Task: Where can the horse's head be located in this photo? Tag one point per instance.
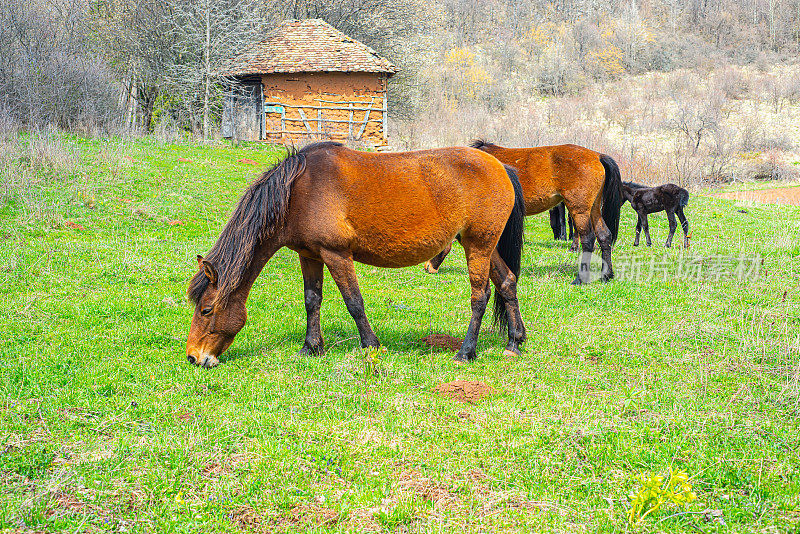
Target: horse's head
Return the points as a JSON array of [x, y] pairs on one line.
[[627, 194], [214, 324]]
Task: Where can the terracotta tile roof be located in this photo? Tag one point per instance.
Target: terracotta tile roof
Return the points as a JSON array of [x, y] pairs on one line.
[[310, 45]]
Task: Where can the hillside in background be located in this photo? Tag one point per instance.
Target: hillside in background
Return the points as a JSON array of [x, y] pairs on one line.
[[697, 92]]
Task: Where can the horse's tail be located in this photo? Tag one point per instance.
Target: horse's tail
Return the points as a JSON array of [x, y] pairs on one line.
[[258, 214], [612, 195], [510, 245], [683, 198]]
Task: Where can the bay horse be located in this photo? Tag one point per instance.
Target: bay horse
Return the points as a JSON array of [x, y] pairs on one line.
[[587, 182], [333, 206], [644, 200]]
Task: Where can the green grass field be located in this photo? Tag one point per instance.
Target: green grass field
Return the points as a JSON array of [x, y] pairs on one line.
[[104, 426]]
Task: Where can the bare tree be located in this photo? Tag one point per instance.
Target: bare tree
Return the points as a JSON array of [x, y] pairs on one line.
[[210, 33], [49, 69]]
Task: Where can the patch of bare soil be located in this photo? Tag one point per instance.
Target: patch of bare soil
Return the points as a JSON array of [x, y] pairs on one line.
[[307, 515], [312, 515], [464, 390], [442, 341], [67, 503], [247, 519], [246, 161], [426, 489], [778, 195]]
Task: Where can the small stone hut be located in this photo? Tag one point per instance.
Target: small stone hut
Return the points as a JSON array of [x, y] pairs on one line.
[[307, 80]]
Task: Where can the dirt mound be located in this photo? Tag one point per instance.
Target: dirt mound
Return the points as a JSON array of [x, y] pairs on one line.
[[246, 161], [442, 341], [464, 390], [779, 195]]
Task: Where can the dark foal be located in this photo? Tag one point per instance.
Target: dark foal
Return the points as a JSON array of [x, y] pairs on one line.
[[645, 200]]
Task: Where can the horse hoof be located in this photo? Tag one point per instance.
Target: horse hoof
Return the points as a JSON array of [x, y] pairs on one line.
[[461, 357], [309, 350], [577, 281], [508, 353], [430, 269]]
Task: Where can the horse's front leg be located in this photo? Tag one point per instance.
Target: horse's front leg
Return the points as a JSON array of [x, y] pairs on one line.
[[340, 265], [312, 287]]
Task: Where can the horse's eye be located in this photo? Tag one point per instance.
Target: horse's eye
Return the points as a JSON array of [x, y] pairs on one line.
[[206, 311]]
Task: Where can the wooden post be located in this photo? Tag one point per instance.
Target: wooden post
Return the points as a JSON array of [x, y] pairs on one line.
[[305, 122], [384, 121], [350, 121], [366, 118]]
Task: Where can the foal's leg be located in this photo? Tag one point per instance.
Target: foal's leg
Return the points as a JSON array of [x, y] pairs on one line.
[[638, 229], [505, 284], [672, 227], [478, 267], [341, 268], [583, 225], [433, 264], [684, 226], [646, 228], [312, 284]]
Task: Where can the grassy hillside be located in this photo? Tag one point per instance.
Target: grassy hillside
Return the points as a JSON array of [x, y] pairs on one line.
[[104, 426]]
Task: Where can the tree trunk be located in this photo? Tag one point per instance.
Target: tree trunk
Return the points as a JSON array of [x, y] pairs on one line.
[[207, 59]]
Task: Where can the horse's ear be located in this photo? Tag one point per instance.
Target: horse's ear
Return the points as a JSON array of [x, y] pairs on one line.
[[199, 260], [211, 272]]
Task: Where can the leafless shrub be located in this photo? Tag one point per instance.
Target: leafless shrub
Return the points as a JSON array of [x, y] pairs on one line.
[[49, 71], [732, 83], [770, 167], [9, 127]]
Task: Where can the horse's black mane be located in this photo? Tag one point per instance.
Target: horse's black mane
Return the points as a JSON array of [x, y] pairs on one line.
[[259, 212], [635, 185], [480, 143]]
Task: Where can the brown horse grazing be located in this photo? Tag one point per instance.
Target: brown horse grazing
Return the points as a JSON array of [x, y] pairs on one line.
[[333, 206], [586, 181]]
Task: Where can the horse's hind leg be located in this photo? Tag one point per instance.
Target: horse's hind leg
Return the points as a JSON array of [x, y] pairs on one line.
[[646, 227], [638, 229], [505, 284], [433, 264], [312, 285], [573, 234], [583, 225], [673, 225], [478, 267], [344, 274], [684, 226], [603, 235]]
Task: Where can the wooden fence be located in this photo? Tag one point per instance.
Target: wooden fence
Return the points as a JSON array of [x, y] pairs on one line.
[[311, 120]]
